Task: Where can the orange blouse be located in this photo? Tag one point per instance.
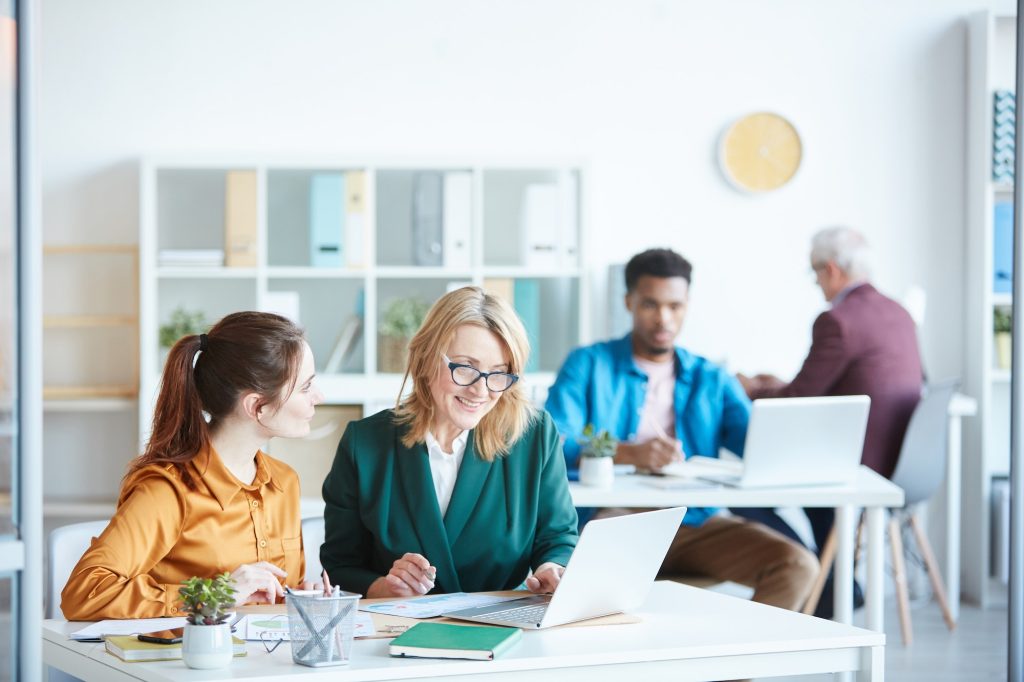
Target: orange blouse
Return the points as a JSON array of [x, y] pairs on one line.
[[164, 533]]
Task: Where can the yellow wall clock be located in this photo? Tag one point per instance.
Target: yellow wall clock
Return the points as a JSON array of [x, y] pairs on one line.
[[760, 152]]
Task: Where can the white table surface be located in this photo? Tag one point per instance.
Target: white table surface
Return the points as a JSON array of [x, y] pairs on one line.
[[686, 634], [873, 492]]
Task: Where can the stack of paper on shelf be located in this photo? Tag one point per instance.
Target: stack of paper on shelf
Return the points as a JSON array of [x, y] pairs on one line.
[[189, 258]]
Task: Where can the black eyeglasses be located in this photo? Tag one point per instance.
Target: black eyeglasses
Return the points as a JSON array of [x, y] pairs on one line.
[[270, 642], [467, 375]]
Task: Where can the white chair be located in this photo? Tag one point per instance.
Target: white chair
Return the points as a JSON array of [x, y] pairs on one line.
[[312, 538], [66, 546]]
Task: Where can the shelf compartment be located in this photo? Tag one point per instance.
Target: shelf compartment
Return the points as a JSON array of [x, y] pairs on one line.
[[335, 331]]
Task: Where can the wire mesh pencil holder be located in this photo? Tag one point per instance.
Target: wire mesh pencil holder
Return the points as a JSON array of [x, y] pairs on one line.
[[321, 629]]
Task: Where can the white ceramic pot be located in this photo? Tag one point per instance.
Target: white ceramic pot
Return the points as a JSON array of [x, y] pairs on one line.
[[207, 647], [597, 472]]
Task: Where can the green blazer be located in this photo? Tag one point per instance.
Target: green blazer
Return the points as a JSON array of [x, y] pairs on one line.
[[505, 517]]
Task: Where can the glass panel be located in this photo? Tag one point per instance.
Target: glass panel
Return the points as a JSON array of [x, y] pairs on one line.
[[8, 275], [531, 219], [316, 218], [424, 218], [335, 331]]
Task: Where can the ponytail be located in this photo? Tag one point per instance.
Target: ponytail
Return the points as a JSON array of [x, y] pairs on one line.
[[244, 352]]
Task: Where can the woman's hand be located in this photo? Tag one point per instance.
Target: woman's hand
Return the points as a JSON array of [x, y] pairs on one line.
[[410, 576], [258, 583], [545, 579]]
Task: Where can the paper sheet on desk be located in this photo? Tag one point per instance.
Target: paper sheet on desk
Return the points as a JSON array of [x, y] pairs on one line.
[[701, 466], [433, 606], [96, 631], [274, 626]]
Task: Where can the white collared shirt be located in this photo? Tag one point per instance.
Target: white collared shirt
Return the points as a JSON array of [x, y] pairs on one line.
[[444, 467]]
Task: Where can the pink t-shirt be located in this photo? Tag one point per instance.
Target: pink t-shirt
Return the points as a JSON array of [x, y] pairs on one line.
[[658, 418]]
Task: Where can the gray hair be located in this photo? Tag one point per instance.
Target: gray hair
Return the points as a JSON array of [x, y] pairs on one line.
[[846, 247]]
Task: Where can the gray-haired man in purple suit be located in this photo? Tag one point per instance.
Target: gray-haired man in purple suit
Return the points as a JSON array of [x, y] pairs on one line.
[[866, 343]]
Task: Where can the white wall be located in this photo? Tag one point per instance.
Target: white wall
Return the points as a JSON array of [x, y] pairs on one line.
[[641, 88]]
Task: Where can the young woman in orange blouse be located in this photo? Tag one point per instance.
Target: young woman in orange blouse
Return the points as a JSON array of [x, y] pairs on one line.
[[203, 498]]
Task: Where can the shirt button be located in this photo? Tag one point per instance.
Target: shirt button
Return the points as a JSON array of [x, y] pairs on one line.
[[263, 543], [255, 504]]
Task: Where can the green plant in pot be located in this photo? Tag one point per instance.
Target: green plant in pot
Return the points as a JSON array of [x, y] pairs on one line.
[[597, 456], [207, 642], [399, 323], [182, 323], [1002, 325]]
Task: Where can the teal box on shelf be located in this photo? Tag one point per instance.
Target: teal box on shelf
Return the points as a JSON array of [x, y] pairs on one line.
[[1002, 243]]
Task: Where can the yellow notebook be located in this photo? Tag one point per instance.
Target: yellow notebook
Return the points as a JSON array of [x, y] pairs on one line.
[[130, 648]]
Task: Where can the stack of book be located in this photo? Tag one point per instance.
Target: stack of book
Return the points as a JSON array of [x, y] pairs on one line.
[[130, 648], [440, 640], [190, 258]]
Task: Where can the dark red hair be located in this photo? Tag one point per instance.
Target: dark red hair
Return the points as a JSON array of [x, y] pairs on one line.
[[247, 352]]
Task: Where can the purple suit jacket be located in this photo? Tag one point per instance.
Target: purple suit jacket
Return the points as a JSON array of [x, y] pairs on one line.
[[866, 344]]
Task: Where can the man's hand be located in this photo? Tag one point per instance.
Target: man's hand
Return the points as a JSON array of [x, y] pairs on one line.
[[410, 576], [760, 382], [651, 455], [545, 579]]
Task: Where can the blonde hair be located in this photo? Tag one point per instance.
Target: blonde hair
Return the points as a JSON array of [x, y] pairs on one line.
[[510, 417]]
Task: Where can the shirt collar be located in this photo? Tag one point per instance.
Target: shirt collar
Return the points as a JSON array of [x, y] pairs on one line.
[[838, 298], [458, 445], [622, 349], [221, 482]]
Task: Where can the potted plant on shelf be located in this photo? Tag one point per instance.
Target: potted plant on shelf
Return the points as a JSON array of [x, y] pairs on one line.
[[400, 321], [597, 452], [207, 642], [1001, 325]]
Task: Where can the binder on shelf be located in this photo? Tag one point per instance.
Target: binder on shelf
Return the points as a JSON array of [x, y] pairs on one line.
[[501, 286], [326, 219], [458, 219], [354, 240], [427, 217], [283, 303], [526, 299], [1002, 242], [240, 221], [549, 223]]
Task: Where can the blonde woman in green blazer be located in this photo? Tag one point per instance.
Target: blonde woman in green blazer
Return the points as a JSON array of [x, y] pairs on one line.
[[462, 487]]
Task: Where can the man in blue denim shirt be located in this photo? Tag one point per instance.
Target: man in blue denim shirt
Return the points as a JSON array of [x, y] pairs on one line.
[[664, 404]]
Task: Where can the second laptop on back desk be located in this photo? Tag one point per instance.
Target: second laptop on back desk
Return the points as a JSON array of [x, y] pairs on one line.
[[791, 442]]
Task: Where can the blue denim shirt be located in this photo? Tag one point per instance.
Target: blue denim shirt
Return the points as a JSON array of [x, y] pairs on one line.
[[601, 385]]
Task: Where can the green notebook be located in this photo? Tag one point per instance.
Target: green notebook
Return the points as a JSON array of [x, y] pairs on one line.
[[129, 648], [439, 640]]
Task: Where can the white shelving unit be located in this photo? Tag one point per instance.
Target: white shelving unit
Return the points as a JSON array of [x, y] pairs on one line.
[[991, 59], [498, 205]]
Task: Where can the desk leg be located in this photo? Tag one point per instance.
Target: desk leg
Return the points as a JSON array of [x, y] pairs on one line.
[[875, 588], [953, 463], [872, 664], [842, 585]]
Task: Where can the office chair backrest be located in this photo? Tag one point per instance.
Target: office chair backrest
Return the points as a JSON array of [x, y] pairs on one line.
[[921, 466], [67, 545], [312, 538]]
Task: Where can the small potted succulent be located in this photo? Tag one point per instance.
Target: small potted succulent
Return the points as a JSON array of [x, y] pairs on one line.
[[399, 323], [1002, 326], [597, 453], [207, 642]]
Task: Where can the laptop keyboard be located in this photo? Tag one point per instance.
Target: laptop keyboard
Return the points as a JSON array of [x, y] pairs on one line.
[[530, 615]]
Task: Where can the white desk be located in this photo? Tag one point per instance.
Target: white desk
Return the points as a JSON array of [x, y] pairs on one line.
[[871, 491], [686, 634]]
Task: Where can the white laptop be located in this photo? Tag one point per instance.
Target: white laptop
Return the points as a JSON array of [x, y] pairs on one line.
[[610, 571], [801, 441]]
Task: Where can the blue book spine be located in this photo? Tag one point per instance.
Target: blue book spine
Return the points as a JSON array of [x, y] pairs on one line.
[[326, 219], [526, 300], [1002, 242]]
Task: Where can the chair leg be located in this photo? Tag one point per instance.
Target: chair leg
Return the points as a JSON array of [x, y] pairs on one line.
[[900, 575], [933, 572], [828, 557]]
